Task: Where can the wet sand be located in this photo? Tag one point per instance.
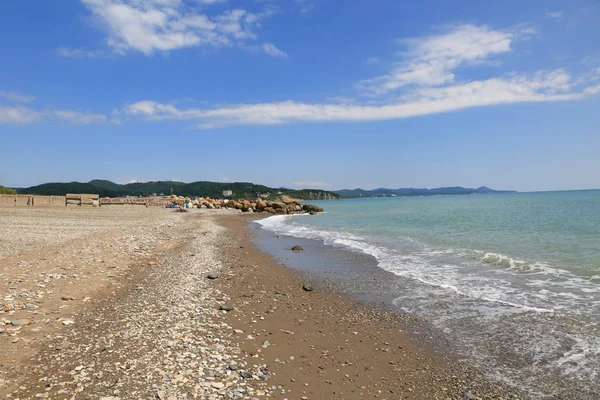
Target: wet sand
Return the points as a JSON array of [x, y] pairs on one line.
[[325, 345]]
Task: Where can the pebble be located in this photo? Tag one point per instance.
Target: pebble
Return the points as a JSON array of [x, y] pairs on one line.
[[20, 322], [225, 307], [308, 288], [212, 276]]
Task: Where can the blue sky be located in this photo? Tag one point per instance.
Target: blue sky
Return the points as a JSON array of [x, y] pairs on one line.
[[302, 93]]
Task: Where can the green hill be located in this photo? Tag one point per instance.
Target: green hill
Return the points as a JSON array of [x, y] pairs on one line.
[[201, 189]]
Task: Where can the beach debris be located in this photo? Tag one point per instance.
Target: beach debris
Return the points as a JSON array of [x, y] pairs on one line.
[[67, 298], [308, 288], [212, 276], [297, 248], [226, 307]]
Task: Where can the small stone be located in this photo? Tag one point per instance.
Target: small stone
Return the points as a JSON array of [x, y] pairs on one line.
[[20, 322], [297, 248], [469, 396], [67, 298], [218, 385], [226, 307], [232, 367], [307, 288], [212, 276], [15, 340], [67, 322]]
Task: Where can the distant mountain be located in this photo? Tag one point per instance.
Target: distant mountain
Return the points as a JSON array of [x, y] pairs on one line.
[[107, 188], [383, 192]]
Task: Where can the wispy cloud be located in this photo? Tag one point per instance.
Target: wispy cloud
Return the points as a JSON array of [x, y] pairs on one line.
[[164, 25], [432, 60], [305, 5], [70, 52], [311, 184], [555, 14], [13, 96], [423, 82], [542, 86], [18, 114], [272, 50], [79, 118], [25, 115]]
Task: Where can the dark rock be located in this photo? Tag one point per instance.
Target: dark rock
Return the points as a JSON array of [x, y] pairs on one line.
[[297, 248], [225, 307], [232, 367], [312, 208], [307, 288], [245, 374]]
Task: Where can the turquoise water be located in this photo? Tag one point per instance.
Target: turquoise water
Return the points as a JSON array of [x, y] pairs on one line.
[[523, 269]]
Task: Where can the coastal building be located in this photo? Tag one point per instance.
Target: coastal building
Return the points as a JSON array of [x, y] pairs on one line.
[[227, 193]]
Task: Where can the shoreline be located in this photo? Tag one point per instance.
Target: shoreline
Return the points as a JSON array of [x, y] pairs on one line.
[[118, 306], [379, 351]]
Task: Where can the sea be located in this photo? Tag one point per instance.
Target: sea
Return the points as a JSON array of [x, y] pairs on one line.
[[510, 280]]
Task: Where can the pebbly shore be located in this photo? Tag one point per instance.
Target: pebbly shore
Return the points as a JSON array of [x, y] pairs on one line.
[[136, 303]]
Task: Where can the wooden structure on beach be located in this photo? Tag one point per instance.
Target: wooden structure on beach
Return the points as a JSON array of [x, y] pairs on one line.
[[82, 200], [73, 199]]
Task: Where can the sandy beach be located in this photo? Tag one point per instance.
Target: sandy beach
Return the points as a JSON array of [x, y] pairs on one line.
[[116, 303]]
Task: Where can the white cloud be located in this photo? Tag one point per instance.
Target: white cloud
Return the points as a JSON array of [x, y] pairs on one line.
[[555, 14], [79, 118], [542, 86], [305, 5], [272, 50], [27, 115], [17, 115], [432, 60], [69, 52], [148, 26], [12, 96]]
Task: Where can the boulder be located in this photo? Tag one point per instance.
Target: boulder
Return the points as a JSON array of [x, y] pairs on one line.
[[260, 205], [312, 208], [277, 204], [269, 210]]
